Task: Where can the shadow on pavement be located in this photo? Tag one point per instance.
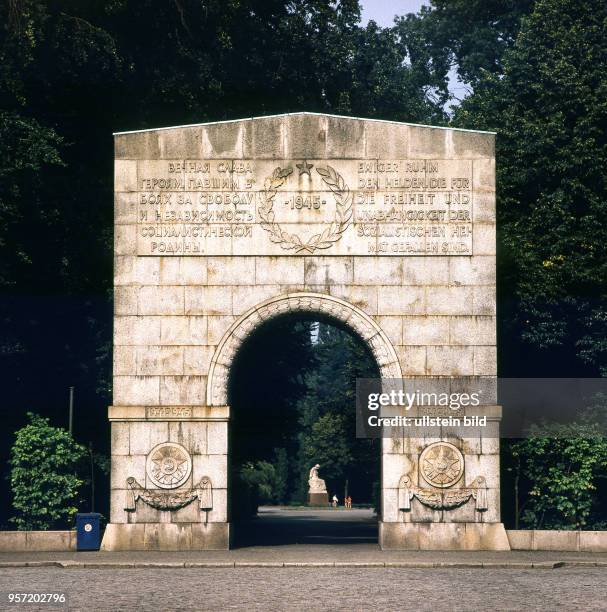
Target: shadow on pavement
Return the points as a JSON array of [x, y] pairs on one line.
[[274, 526]]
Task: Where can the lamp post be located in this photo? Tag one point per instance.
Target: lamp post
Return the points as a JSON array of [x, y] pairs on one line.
[[71, 414]]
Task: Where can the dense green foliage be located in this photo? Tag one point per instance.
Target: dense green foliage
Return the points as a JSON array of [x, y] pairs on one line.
[[562, 467], [547, 101], [558, 474], [261, 482], [471, 36], [550, 110], [43, 477]]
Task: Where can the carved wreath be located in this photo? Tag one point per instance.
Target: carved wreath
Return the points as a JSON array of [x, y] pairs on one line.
[[333, 232], [442, 500], [169, 500]]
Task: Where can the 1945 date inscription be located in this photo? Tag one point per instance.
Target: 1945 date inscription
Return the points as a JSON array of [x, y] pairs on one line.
[[302, 207]]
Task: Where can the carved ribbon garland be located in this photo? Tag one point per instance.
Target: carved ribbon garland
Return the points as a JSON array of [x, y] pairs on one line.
[[169, 500], [442, 500], [287, 241]]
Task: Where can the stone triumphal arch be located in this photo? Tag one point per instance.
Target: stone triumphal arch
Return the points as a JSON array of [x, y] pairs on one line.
[[387, 228]]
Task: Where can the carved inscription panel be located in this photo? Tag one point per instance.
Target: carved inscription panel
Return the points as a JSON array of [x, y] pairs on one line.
[[304, 206]]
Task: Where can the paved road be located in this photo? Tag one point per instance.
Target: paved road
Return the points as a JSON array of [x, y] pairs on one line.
[[332, 589], [279, 526]]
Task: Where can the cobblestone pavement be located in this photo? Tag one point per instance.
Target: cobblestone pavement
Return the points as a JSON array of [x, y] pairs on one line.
[[313, 589]]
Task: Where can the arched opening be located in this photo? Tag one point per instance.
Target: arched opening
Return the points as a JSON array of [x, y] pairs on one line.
[[324, 305], [291, 391]]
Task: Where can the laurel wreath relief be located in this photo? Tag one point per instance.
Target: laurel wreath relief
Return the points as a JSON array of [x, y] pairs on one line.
[[331, 234]]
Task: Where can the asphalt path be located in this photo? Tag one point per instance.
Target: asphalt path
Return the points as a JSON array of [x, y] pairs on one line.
[[275, 526]]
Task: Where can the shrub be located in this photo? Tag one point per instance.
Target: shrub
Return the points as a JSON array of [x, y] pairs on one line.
[[44, 481], [562, 465]]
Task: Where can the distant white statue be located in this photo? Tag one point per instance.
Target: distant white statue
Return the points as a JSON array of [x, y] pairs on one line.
[[317, 485]]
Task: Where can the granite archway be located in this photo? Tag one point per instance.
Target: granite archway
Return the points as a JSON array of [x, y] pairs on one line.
[[221, 227]]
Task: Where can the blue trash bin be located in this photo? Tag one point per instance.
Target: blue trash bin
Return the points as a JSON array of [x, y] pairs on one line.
[[88, 531]]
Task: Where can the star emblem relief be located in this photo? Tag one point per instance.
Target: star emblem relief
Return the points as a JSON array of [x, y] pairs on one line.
[[441, 464], [305, 167]]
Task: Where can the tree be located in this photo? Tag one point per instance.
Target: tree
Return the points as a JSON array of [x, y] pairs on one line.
[[327, 414], [260, 477], [28, 151], [550, 111], [56, 71], [470, 36], [43, 478], [386, 63], [327, 443]]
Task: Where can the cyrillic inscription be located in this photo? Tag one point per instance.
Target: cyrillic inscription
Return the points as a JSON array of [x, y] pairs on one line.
[[302, 207]]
